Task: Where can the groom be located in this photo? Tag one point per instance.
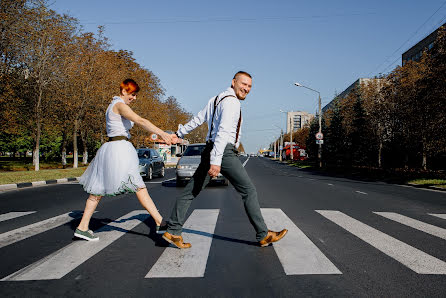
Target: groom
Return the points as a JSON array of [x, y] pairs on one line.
[[224, 117]]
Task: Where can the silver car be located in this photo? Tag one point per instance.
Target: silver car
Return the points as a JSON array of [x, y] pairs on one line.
[[150, 163], [189, 162]]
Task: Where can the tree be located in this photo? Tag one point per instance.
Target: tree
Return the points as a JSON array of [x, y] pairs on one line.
[[198, 135], [432, 91], [43, 36], [335, 146], [379, 114]]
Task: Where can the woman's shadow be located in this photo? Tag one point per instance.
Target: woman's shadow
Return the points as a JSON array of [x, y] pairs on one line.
[[100, 225]]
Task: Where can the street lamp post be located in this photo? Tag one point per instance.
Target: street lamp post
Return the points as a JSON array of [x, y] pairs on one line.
[[319, 153], [279, 150], [291, 140], [281, 145]]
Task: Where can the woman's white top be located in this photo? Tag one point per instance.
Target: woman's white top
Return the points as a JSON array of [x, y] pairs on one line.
[[116, 124]]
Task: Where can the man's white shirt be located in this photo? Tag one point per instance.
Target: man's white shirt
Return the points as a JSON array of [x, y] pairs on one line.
[[225, 121]]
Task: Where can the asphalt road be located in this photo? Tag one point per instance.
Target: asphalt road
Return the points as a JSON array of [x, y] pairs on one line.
[[346, 238]]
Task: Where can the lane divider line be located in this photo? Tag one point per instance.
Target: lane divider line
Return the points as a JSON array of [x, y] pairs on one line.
[[246, 161]]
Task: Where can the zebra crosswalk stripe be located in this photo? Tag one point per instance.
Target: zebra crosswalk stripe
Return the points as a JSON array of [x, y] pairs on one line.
[[416, 224], [63, 261], [19, 234], [443, 216], [11, 215], [297, 254], [407, 255], [191, 262]]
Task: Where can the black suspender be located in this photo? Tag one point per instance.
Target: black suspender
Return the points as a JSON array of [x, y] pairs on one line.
[[238, 127], [212, 121]]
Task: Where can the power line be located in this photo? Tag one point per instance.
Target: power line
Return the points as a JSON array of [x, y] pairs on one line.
[[224, 19], [441, 6]]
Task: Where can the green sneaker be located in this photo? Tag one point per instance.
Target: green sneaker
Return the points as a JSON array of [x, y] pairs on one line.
[[161, 229], [87, 235]]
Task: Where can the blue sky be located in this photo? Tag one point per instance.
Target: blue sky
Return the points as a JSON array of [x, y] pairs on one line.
[[194, 47]]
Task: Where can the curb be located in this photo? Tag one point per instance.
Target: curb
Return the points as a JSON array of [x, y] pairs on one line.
[[419, 186], [54, 181], [36, 183], [426, 186]]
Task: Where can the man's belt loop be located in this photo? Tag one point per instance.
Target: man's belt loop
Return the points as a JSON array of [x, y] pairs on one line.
[[117, 138]]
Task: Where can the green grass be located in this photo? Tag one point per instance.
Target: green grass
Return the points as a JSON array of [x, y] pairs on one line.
[[300, 164], [26, 164], [12, 177], [429, 182]]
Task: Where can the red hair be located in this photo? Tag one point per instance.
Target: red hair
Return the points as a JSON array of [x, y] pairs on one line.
[[129, 85]]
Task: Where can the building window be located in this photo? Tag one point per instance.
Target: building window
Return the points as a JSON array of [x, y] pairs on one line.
[[297, 122]]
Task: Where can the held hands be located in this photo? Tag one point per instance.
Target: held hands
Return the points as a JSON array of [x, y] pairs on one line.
[[214, 171], [171, 138], [176, 139], [167, 138]]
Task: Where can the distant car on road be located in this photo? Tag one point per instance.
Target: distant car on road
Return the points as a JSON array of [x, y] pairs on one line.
[[189, 162], [150, 163]]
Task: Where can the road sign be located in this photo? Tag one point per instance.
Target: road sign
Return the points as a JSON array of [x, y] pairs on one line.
[[319, 142], [319, 136]]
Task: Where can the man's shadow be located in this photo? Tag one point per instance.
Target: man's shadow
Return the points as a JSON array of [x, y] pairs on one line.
[[100, 225]]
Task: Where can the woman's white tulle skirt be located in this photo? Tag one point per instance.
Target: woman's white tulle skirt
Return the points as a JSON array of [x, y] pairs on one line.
[[113, 171]]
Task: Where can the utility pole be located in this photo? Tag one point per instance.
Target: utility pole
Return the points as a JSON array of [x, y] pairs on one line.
[[319, 141], [319, 151], [291, 140], [281, 145], [275, 143]]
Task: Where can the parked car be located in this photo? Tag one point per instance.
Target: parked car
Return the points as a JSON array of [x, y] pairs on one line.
[[150, 163], [188, 163]]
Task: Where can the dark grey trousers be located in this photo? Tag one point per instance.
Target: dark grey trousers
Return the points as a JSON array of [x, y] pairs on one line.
[[233, 170]]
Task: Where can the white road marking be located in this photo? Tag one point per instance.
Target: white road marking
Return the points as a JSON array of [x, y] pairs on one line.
[[191, 262], [297, 254], [330, 184], [427, 189], [363, 193], [11, 215], [443, 216], [413, 258], [416, 224], [155, 182], [244, 164], [36, 228], [63, 261]]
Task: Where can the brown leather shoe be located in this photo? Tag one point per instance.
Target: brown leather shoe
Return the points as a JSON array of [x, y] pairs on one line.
[[176, 240], [272, 237]]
